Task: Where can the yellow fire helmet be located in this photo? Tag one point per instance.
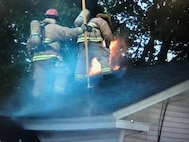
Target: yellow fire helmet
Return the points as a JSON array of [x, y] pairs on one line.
[[105, 17]]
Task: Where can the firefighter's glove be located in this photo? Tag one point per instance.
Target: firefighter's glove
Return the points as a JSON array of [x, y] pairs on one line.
[[107, 43], [86, 28]]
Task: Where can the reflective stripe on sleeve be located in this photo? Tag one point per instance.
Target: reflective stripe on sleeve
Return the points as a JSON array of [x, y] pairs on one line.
[[45, 57], [93, 39]]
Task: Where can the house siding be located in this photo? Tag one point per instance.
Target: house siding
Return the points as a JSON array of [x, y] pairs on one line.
[[175, 125]]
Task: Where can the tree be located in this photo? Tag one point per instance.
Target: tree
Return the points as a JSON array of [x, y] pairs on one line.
[[160, 23], [169, 25]]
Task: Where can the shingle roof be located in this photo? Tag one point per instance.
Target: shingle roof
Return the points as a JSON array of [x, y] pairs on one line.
[[135, 85], [109, 95]]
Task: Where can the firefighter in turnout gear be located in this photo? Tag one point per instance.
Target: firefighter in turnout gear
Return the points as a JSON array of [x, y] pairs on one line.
[[96, 49], [50, 73]]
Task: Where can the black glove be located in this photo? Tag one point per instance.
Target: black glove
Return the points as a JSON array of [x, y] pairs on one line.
[[107, 44], [86, 27]]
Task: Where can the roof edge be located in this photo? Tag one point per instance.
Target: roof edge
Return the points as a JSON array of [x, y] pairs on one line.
[[163, 95]]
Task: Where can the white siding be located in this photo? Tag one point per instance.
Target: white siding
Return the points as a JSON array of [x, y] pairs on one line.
[[175, 125]]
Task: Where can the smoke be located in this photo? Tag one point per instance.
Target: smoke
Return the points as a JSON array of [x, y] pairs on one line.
[[24, 104], [76, 100], [53, 106]]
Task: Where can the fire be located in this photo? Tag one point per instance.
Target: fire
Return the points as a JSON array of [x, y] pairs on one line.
[[117, 47], [95, 67]]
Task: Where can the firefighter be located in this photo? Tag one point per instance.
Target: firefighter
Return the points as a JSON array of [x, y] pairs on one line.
[[50, 73], [96, 49]]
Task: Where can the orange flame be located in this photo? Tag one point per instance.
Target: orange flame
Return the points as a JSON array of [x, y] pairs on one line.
[[117, 47]]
